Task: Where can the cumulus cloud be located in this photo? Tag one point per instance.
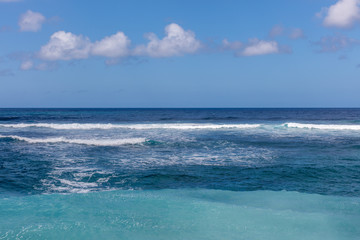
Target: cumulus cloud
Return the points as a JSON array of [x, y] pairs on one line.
[[68, 46], [255, 47], [260, 47], [343, 14], [31, 21], [65, 46], [335, 43], [176, 42], [114, 46]]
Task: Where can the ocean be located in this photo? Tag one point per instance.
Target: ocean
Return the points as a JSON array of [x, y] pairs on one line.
[[180, 174]]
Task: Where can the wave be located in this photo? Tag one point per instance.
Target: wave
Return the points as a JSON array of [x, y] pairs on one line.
[[322, 126], [95, 142], [88, 126], [176, 126]]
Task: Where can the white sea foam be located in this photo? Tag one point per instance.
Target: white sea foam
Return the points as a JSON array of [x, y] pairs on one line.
[[322, 126], [95, 142], [88, 126], [76, 184], [175, 126]]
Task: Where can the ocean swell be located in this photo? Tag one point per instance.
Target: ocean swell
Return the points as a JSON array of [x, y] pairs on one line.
[[88, 126]]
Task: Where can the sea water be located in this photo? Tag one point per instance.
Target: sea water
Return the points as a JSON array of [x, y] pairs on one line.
[[180, 173]]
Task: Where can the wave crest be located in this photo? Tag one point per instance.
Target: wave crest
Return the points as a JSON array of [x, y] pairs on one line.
[[322, 126], [94, 142]]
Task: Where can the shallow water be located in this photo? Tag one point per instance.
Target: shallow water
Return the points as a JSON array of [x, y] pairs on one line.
[[306, 160], [181, 214]]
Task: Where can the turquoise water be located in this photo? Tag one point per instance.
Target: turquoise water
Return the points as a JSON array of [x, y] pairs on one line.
[[180, 174], [180, 214]]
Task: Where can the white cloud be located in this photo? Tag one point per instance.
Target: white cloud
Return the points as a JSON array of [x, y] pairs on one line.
[[68, 46], [114, 46], [260, 47], [342, 14], [255, 47], [65, 46], [231, 45], [176, 42], [117, 47], [31, 21]]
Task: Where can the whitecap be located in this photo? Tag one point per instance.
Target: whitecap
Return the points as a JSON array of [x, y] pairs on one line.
[[322, 126], [95, 142]]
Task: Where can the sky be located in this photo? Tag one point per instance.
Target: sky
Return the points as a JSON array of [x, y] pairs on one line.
[[126, 54]]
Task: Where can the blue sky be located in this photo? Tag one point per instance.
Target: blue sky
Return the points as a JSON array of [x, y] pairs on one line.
[[62, 53]]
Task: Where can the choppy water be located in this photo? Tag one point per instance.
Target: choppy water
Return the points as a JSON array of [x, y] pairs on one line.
[[180, 173]]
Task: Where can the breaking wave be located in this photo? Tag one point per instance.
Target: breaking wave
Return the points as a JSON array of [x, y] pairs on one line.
[[178, 126], [95, 142], [322, 126]]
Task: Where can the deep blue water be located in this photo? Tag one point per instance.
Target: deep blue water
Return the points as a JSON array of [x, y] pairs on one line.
[[193, 169]]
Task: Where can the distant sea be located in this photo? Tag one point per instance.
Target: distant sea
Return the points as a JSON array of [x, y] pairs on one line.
[[180, 174]]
